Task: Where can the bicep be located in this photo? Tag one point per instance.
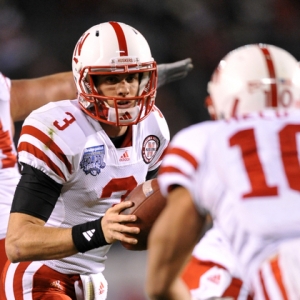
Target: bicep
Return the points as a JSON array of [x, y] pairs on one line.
[[36, 194]]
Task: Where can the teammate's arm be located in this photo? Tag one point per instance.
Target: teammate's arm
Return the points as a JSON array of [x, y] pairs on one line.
[[171, 241], [29, 94], [173, 71]]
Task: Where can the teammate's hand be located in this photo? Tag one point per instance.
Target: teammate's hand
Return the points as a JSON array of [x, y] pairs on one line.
[[173, 71], [112, 226]]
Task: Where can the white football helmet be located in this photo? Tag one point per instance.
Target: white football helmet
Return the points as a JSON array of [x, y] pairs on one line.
[[252, 78], [114, 48]]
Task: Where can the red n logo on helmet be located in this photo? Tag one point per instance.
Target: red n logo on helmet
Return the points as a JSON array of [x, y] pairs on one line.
[[79, 45]]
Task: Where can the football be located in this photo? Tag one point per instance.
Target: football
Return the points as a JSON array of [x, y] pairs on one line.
[[148, 203]]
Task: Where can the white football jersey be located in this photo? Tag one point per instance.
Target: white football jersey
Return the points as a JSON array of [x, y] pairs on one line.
[[245, 172], [9, 173], [73, 149], [214, 247]]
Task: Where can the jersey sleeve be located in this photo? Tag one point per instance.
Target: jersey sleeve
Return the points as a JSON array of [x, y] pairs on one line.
[[8, 155], [47, 141], [5, 85], [183, 158], [159, 137]]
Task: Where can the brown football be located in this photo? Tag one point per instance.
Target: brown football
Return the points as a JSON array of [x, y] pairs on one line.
[[148, 203]]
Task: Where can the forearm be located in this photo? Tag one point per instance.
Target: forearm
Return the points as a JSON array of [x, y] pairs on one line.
[[34, 241], [170, 72], [29, 239], [171, 241], [164, 263], [179, 290]]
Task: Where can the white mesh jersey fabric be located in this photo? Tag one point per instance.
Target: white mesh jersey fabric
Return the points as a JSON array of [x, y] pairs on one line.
[[215, 247], [224, 158], [74, 150]]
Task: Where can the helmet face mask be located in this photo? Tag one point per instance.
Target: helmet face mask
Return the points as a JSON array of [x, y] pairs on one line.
[[253, 78], [111, 49]]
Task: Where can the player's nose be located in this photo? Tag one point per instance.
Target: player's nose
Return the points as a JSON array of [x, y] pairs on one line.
[[123, 88]]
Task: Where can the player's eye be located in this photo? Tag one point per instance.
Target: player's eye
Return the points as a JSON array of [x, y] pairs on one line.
[[132, 77], [111, 79]]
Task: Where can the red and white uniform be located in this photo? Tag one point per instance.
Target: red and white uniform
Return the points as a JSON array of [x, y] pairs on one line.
[[9, 173], [246, 172], [74, 150], [213, 269]]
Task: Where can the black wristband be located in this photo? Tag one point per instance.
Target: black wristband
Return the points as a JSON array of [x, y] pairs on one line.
[[88, 236]]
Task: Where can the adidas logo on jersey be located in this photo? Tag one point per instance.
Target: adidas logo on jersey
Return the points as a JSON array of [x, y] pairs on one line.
[[215, 278], [56, 284], [101, 288], [88, 234], [124, 157]]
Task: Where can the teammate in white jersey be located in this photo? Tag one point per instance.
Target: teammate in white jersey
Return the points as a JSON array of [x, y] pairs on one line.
[[80, 158], [243, 170], [17, 99], [212, 270]]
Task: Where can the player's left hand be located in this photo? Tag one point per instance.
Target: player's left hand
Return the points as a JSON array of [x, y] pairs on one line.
[[113, 224], [173, 71]]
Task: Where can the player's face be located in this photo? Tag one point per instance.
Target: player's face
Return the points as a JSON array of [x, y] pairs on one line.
[[119, 85]]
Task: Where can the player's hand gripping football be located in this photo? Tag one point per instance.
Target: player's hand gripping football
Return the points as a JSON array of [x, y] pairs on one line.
[[173, 71], [112, 226]]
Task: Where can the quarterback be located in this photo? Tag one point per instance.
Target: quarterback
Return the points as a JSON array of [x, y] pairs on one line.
[[18, 98], [79, 159]]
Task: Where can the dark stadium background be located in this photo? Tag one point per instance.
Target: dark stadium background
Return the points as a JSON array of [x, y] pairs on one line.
[[38, 38]]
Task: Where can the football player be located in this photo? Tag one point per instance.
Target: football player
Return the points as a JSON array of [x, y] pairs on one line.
[[243, 169], [18, 98], [79, 159]]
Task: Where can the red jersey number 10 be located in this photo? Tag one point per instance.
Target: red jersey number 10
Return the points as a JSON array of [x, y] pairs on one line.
[[245, 139]]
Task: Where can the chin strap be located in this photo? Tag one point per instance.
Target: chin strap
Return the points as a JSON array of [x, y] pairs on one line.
[[126, 116]]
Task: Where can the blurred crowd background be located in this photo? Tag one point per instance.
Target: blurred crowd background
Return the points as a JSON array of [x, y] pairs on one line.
[[38, 37]]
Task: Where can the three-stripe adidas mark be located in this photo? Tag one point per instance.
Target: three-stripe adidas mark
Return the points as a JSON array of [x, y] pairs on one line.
[[89, 234], [125, 156]]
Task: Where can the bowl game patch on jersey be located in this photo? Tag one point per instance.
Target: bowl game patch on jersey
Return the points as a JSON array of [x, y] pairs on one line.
[[93, 160]]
